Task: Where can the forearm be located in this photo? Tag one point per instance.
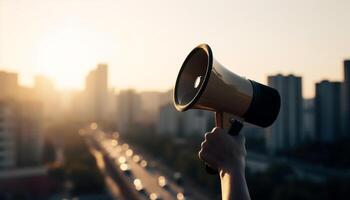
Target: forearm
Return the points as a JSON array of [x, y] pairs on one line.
[[234, 185]]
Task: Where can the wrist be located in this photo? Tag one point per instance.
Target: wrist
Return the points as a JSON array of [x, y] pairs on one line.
[[233, 184], [236, 170]]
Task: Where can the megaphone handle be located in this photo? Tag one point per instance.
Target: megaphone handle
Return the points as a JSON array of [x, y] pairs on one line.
[[235, 128], [223, 120]]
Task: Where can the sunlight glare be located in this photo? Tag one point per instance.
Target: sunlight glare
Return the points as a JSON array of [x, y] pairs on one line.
[[67, 54]]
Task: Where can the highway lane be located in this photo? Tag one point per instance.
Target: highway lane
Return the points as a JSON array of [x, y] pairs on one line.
[[112, 187], [116, 183], [147, 175], [113, 150]]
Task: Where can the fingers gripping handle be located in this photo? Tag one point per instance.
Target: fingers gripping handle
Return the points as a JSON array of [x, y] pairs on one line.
[[234, 129]]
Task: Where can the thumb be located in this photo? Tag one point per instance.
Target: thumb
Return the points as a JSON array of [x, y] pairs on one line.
[[217, 130]]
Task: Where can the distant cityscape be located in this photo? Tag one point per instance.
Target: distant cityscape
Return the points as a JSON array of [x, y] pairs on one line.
[[25, 114], [324, 118]]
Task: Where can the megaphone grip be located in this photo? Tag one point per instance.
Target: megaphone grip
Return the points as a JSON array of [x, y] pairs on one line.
[[234, 129]]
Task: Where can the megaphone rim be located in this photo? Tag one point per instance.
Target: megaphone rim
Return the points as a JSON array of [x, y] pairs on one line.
[[209, 53]]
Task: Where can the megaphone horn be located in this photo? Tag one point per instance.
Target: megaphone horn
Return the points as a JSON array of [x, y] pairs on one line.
[[203, 83]]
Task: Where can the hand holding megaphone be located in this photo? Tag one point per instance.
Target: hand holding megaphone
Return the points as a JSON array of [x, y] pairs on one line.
[[203, 83], [223, 152], [235, 127]]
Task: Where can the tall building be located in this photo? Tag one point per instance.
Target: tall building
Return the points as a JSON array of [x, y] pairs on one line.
[[346, 100], [21, 139], [286, 132], [328, 111], [128, 109], [9, 90], [96, 91]]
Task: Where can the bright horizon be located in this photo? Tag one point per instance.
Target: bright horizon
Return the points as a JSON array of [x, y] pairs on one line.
[[144, 43]]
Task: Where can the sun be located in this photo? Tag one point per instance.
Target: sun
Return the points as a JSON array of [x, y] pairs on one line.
[[67, 53]]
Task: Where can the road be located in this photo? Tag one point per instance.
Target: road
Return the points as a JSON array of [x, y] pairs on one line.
[[117, 156], [112, 187]]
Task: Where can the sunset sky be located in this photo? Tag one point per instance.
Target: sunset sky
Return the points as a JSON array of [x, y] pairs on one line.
[[145, 42]]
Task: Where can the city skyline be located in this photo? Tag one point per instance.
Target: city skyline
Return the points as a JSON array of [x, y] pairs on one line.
[[83, 87], [65, 40]]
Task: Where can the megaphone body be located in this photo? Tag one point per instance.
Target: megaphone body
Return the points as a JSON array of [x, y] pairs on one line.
[[203, 83]]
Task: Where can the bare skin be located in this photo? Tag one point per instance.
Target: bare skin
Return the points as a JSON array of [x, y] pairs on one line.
[[227, 154]]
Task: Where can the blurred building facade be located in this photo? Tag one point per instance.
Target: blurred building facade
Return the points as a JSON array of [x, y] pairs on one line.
[[286, 132], [328, 113], [151, 102], [7, 135], [128, 109], [96, 93], [9, 85], [21, 134], [8, 117], [169, 120], [308, 131], [178, 123], [46, 92], [30, 139]]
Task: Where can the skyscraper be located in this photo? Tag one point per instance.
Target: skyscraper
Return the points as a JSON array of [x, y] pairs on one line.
[[346, 100], [8, 92], [285, 133], [327, 109], [96, 89]]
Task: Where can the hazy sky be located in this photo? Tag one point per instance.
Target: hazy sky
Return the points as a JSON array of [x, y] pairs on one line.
[[145, 42]]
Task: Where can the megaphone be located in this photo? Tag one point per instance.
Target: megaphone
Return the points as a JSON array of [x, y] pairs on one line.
[[203, 83]]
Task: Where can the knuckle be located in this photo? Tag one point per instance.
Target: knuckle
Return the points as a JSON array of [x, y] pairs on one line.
[[216, 130], [206, 136], [200, 154], [203, 155], [202, 144]]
